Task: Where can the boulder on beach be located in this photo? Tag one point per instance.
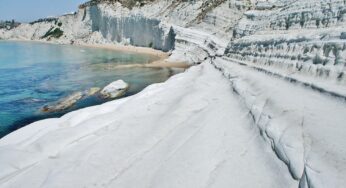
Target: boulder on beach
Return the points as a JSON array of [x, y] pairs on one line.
[[115, 89]]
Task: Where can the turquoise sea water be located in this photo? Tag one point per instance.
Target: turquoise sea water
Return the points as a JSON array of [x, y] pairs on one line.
[[33, 75]]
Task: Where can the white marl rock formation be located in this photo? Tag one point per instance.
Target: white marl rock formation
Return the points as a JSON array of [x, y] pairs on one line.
[[266, 107]]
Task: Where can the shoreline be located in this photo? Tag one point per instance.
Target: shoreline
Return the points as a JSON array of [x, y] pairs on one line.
[[116, 47], [161, 62]]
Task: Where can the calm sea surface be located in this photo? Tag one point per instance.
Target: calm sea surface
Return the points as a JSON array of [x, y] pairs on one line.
[[33, 75]]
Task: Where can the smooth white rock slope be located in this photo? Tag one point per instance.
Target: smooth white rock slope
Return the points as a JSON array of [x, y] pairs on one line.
[[199, 136]]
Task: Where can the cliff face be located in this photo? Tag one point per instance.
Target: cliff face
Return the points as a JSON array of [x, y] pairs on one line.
[[163, 25], [304, 37], [72, 26], [160, 25], [135, 30]]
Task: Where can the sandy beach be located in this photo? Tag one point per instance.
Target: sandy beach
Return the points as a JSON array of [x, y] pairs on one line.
[[161, 62], [135, 49]]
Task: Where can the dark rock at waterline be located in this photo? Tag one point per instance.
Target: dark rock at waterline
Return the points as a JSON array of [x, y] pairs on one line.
[[70, 100], [64, 103], [113, 90]]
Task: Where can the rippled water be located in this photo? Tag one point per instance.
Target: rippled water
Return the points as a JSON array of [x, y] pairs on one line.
[[35, 74]]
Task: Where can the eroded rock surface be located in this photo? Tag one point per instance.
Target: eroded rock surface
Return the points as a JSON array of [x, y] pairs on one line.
[[114, 89], [273, 114]]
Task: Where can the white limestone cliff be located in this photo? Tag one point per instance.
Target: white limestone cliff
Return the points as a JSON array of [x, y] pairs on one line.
[[265, 109]]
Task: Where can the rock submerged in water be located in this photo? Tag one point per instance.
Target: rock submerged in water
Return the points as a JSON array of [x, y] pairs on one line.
[[115, 89], [92, 91], [70, 100], [64, 103]]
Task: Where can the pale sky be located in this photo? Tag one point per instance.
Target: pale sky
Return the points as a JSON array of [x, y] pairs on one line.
[[29, 10]]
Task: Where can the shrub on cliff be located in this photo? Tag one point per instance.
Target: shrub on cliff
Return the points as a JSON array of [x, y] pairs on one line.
[[8, 24], [56, 33], [126, 3]]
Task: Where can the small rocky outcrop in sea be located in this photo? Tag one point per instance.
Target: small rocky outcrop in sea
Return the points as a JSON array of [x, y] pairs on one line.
[[70, 100], [115, 89]]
